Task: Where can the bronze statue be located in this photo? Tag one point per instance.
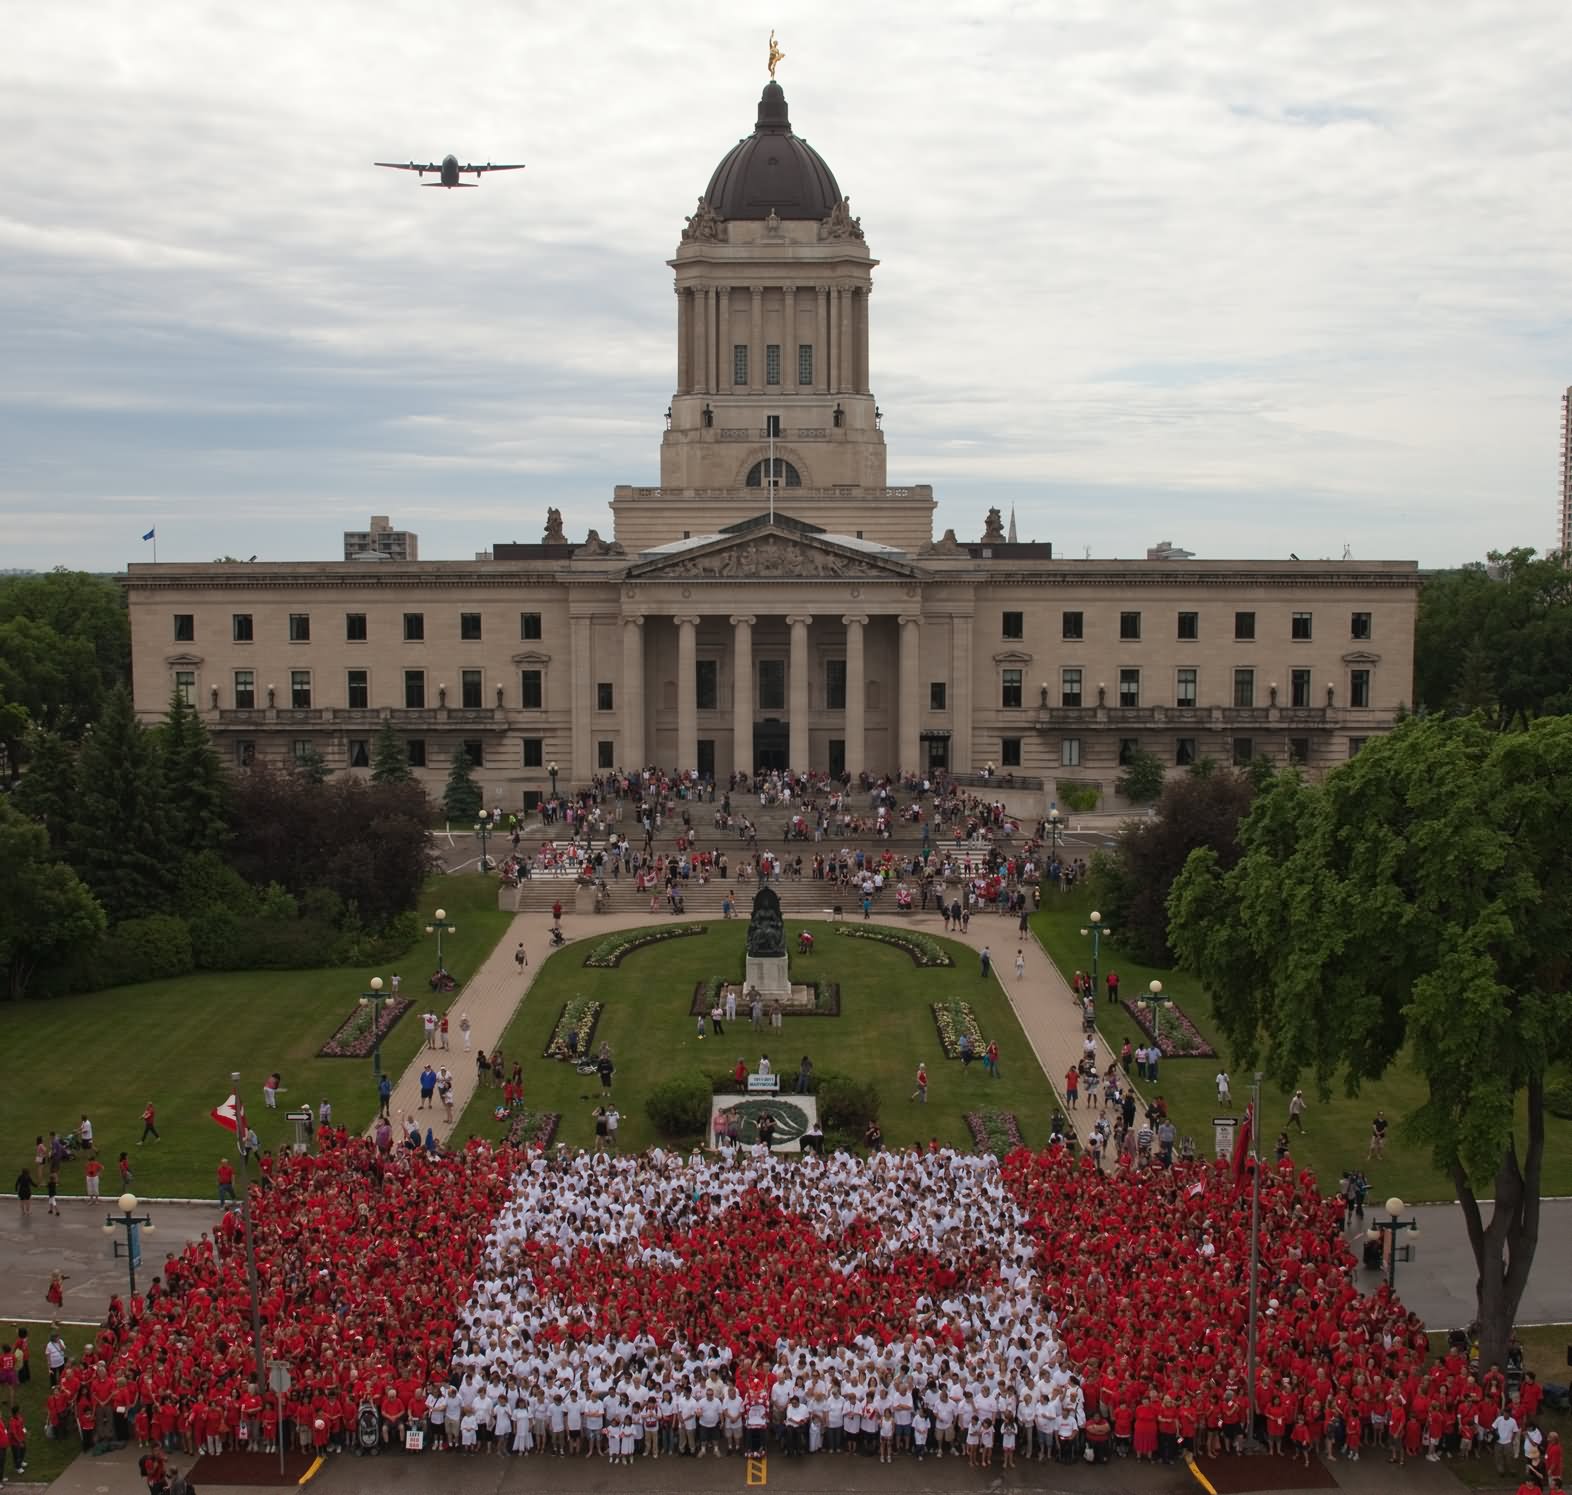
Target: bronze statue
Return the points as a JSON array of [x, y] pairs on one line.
[[776, 55], [766, 928]]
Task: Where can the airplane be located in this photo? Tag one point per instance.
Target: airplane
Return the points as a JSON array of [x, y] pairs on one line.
[[449, 171]]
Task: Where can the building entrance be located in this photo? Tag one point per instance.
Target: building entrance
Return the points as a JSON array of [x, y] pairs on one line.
[[771, 744]]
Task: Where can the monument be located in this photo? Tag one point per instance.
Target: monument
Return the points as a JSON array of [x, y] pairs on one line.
[[766, 959]]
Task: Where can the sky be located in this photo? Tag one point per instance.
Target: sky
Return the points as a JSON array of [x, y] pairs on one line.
[[1255, 279]]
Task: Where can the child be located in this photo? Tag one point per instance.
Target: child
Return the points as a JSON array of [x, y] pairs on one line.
[[467, 1438], [1007, 1441], [973, 1443], [886, 1434], [125, 1173], [1301, 1438], [920, 1425], [985, 1443]]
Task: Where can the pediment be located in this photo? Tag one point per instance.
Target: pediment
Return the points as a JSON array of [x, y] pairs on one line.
[[531, 656], [771, 551], [1012, 656], [1361, 656], [182, 659]]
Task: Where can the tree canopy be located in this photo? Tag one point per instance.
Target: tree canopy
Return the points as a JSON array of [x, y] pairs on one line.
[[45, 911]]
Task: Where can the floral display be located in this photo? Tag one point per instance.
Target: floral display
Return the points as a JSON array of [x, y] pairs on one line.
[[953, 1019], [526, 1128], [611, 950], [994, 1131], [570, 1039], [1177, 1036], [923, 951], [356, 1037]]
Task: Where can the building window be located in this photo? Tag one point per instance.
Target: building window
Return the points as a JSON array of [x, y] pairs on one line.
[[834, 684], [1355, 744], [1244, 688], [185, 628], [1012, 625], [772, 685], [604, 749], [1359, 626], [739, 363], [1069, 687], [469, 625], [475, 751], [359, 752], [355, 627], [534, 752], [1298, 749], [359, 690], [300, 628], [240, 628], [1069, 752], [469, 689], [245, 690], [936, 696], [301, 750], [1299, 626], [1129, 625], [1010, 752], [1071, 624], [805, 364], [772, 375], [772, 426], [1359, 687], [1184, 688], [604, 696], [1244, 625], [300, 689], [1129, 688], [1299, 687], [1184, 751], [1244, 751], [786, 475], [531, 694], [706, 685], [415, 751], [414, 627], [1128, 748], [1189, 625], [529, 625], [185, 685], [245, 752], [1010, 689], [415, 689]]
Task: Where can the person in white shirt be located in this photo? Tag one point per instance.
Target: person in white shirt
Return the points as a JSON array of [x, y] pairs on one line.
[[1224, 1092], [1505, 1429], [731, 1418]]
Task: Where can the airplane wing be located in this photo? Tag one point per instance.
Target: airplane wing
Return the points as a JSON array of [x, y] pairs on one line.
[[407, 166], [489, 167]]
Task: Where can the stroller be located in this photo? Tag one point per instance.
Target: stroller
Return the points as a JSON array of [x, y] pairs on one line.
[[368, 1430], [557, 937]]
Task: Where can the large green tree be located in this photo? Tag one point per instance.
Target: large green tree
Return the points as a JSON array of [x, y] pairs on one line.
[[389, 757], [462, 799], [47, 792], [45, 910], [196, 788], [74, 645], [1418, 901]]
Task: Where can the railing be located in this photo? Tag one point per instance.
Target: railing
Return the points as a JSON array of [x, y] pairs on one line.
[[348, 716], [845, 490], [1051, 717]]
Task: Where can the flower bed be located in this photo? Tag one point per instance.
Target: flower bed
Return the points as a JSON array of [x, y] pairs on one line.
[[826, 1000], [611, 950], [993, 1131], [526, 1128], [923, 951], [952, 1019], [1178, 1038], [355, 1038], [577, 1021]]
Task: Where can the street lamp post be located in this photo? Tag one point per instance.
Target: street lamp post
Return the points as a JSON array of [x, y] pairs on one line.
[[133, 1224], [1395, 1208], [374, 1000], [1097, 932], [1055, 833], [483, 829], [439, 926], [551, 768], [1155, 1004]]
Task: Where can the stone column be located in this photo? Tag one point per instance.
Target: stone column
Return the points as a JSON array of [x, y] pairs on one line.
[[684, 341], [582, 694], [633, 755], [797, 696], [821, 346], [910, 696], [706, 331], [788, 337], [862, 340], [856, 696], [687, 695], [961, 694], [742, 694], [723, 370], [835, 348], [847, 362], [756, 341]]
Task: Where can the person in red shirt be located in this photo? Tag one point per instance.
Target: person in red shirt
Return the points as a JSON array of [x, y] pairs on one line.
[[226, 1181], [148, 1128]]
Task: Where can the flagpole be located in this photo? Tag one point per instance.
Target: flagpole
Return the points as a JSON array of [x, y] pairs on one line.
[[1255, 1241], [251, 1246]]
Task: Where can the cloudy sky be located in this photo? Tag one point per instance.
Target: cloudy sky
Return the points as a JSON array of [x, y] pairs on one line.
[[1253, 278]]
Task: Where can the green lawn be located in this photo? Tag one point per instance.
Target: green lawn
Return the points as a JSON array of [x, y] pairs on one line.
[[884, 1030], [175, 1043], [45, 1457], [1337, 1131]]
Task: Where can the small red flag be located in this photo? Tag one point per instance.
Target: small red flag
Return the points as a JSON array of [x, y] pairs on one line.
[[227, 1115]]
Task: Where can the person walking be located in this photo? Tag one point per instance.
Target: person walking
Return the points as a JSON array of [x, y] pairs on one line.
[[1224, 1090], [1296, 1111], [985, 962], [226, 1182], [24, 1192], [992, 1056], [148, 1129], [464, 1029], [1020, 965], [384, 1095], [1378, 1136], [920, 1094], [605, 1069], [520, 959]]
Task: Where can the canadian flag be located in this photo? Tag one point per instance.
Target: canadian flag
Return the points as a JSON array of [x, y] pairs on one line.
[[229, 1115]]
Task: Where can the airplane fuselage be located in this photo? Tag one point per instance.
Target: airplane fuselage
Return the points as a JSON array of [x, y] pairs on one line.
[[450, 171]]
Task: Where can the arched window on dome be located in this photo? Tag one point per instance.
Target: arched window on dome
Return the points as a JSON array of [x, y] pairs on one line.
[[786, 476]]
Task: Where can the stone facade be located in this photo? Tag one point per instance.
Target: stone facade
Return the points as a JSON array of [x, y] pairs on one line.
[[800, 615]]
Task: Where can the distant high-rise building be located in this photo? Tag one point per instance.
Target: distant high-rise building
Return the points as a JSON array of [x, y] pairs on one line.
[[381, 541], [1566, 472]]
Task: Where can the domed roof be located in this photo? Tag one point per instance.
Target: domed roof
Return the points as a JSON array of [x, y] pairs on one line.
[[772, 170]]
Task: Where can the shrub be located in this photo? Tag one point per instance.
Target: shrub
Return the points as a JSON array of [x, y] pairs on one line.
[[149, 949], [1076, 796], [846, 1104], [680, 1106], [1558, 1098]]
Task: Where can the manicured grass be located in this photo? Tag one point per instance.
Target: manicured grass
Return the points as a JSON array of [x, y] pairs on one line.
[[884, 1030], [46, 1458], [1337, 1131], [175, 1043]]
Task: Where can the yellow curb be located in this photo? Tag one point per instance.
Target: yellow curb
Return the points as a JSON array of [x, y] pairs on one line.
[[1194, 1468], [320, 1461]]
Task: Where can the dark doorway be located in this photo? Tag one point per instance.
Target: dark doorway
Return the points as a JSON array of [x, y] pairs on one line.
[[837, 757], [707, 758], [771, 744], [938, 749]]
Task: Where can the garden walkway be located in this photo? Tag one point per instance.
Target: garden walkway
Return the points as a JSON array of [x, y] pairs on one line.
[[1047, 1013]]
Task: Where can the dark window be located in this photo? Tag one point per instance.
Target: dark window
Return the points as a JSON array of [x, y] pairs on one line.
[[245, 690], [1299, 687], [706, 686], [1354, 746], [1010, 752], [1128, 748], [1071, 625], [1244, 625], [739, 363], [1298, 749], [414, 689], [185, 628], [414, 627], [300, 628], [1359, 687], [534, 752], [245, 752], [301, 749], [1359, 625], [1244, 688], [530, 692], [475, 752], [300, 689], [772, 685], [469, 625], [529, 625], [834, 684], [358, 693], [359, 752], [1184, 751], [240, 628], [772, 375], [1299, 626], [1012, 625], [772, 426], [1184, 688], [355, 627], [1244, 751], [1069, 687], [1189, 625], [1129, 688], [415, 748], [605, 749], [1129, 625], [1010, 688], [936, 695], [786, 475], [805, 363], [469, 689], [603, 696]]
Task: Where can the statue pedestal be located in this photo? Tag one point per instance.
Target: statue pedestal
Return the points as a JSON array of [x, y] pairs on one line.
[[768, 974]]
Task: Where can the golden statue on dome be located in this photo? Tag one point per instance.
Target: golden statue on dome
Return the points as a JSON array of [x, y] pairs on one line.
[[776, 55]]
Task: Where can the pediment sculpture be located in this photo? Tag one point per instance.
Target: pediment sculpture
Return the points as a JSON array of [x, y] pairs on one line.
[[771, 556], [838, 223], [704, 225]]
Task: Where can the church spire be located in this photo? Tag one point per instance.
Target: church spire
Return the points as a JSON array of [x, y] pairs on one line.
[[1011, 536]]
